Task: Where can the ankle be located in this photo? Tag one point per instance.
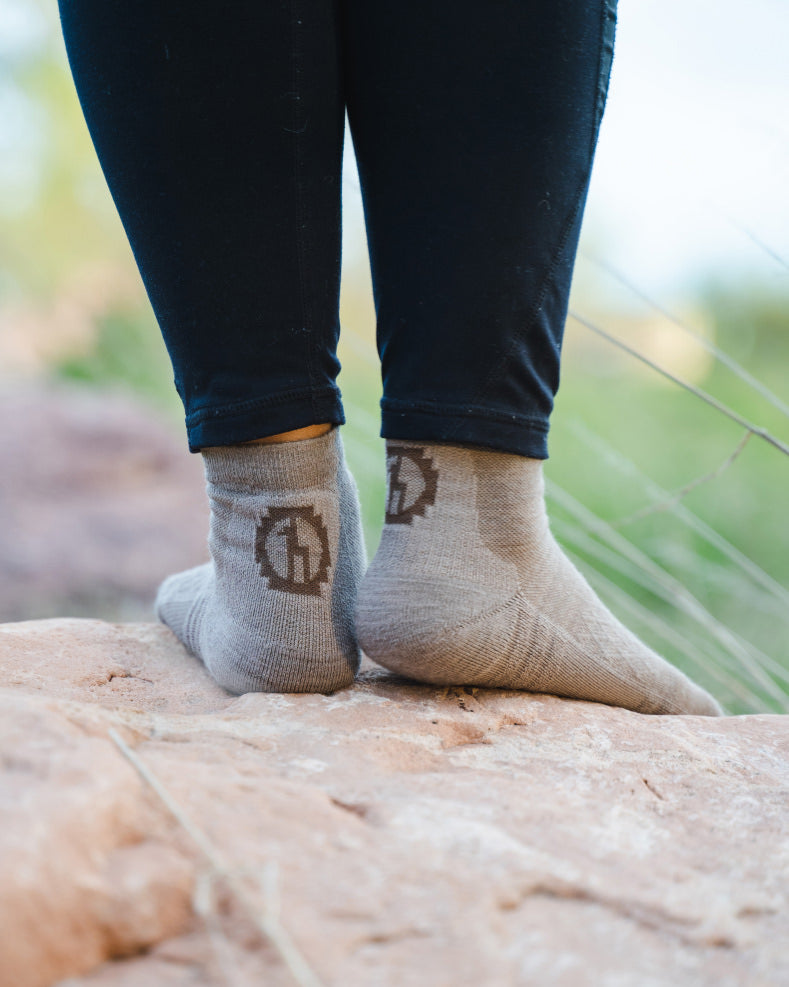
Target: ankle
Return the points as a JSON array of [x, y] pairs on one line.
[[295, 435]]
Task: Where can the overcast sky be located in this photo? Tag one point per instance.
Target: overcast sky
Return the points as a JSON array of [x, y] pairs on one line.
[[695, 143]]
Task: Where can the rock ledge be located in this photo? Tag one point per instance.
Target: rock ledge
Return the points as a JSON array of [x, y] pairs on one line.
[[411, 835]]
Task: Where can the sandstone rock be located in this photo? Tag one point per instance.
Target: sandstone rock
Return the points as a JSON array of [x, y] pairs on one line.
[[100, 500], [419, 836]]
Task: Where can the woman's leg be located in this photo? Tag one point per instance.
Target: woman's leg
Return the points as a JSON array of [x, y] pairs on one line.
[[475, 125], [220, 135]]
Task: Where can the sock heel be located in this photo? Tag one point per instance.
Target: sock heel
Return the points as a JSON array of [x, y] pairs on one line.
[[402, 625]]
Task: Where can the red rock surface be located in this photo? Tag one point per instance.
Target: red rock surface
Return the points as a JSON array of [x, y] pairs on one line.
[[99, 499], [414, 836]]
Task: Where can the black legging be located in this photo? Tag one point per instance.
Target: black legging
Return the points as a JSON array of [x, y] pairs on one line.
[[220, 131]]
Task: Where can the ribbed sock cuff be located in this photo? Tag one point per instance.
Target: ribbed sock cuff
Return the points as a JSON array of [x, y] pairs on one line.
[[300, 465]]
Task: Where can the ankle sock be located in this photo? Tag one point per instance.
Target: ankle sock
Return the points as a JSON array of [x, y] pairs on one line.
[[469, 587], [273, 610]]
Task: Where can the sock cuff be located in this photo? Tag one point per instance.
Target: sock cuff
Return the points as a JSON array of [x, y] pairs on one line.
[[306, 463], [458, 463]]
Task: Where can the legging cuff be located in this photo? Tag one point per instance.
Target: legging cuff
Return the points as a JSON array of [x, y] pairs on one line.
[[231, 424], [488, 428]]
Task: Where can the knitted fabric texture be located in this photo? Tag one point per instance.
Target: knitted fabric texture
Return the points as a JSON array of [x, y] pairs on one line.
[[469, 587], [273, 610]]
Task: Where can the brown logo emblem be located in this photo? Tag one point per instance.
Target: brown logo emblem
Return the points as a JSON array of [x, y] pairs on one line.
[[412, 484], [292, 550]]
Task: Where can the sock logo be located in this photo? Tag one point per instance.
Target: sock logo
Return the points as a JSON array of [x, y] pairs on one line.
[[292, 550], [412, 481]]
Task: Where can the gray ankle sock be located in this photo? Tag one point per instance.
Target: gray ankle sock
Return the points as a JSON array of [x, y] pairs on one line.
[[468, 587], [273, 611]]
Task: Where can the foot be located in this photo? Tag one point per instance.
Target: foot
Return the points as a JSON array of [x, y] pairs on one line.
[[273, 610], [469, 587]]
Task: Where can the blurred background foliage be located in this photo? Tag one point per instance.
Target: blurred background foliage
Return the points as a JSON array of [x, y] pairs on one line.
[[624, 438]]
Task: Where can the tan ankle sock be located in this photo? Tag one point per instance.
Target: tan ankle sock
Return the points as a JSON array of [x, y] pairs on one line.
[[469, 587], [273, 610]]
